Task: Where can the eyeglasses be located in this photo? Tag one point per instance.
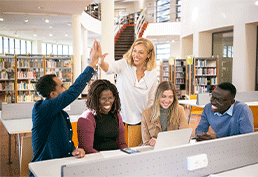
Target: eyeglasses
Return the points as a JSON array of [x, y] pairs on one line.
[[140, 86], [218, 100], [104, 100]]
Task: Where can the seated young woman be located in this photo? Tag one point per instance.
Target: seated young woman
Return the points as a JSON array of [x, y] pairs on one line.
[[100, 127], [165, 114]]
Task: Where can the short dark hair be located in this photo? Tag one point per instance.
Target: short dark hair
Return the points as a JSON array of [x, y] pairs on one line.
[[46, 85], [95, 90], [229, 87]]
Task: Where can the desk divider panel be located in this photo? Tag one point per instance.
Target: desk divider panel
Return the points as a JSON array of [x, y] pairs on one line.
[[24, 110], [77, 107], [223, 154], [17, 110], [247, 96]]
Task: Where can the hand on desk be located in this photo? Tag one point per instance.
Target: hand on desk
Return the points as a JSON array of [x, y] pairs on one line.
[[78, 153], [203, 137], [152, 142]]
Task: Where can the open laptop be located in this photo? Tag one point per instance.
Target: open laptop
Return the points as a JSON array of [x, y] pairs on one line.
[[173, 138], [169, 139]]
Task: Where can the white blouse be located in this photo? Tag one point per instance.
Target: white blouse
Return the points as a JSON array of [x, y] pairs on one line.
[[134, 96]]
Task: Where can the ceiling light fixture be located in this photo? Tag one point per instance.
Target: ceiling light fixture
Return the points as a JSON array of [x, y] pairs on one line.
[[50, 35], [256, 3], [1, 17], [69, 23], [16, 34], [35, 35], [47, 21], [173, 40], [26, 19], [66, 34], [50, 26]]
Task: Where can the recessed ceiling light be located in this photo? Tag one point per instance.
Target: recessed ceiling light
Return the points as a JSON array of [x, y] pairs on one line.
[[50, 27], [69, 23], [50, 34], [26, 19], [35, 35], [256, 3], [1, 19], [40, 8], [47, 21], [173, 40]]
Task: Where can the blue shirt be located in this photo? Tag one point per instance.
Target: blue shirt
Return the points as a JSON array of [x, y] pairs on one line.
[[52, 130], [239, 120]]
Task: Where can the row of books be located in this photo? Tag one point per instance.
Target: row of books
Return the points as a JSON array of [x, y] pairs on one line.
[[29, 63], [206, 71], [180, 81], [7, 86], [205, 81], [54, 64], [26, 86]]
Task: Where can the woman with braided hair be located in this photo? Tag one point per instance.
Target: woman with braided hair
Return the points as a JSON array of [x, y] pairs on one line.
[[100, 127]]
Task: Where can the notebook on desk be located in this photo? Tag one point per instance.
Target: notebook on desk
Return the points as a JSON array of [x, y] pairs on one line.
[[173, 138], [169, 139]]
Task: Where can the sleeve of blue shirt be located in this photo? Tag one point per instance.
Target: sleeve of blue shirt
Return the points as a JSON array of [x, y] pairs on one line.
[[246, 120], [50, 107], [203, 126]]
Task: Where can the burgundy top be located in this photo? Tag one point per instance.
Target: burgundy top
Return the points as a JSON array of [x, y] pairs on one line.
[[95, 136]]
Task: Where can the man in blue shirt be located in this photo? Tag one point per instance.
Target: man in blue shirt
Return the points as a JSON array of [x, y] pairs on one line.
[[52, 130], [226, 116]]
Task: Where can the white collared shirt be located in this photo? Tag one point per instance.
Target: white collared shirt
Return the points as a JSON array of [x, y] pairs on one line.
[[229, 111], [135, 96]]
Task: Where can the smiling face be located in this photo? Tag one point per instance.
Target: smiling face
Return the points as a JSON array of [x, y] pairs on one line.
[[106, 101], [166, 99], [140, 55], [221, 100]]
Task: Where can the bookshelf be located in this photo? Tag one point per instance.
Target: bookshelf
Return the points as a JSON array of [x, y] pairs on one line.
[[19, 75], [165, 71], [205, 74], [7, 79], [179, 74]]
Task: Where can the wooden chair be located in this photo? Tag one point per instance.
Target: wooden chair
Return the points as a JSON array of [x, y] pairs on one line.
[[255, 115], [195, 110], [133, 135], [26, 155], [75, 137]]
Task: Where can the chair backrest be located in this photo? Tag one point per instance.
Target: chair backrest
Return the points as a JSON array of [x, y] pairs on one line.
[[26, 155], [75, 137]]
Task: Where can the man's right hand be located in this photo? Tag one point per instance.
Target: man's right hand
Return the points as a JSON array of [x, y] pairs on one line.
[[203, 137], [95, 53]]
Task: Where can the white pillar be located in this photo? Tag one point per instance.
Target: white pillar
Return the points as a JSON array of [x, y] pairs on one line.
[[244, 60], [76, 25], [85, 55], [107, 35]]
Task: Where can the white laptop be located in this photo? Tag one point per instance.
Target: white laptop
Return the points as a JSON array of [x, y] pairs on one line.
[[169, 139], [173, 138]]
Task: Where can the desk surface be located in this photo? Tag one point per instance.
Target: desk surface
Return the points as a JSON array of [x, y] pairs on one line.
[[14, 126], [250, 170]]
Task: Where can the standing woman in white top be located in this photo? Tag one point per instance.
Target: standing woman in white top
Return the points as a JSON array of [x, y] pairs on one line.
[[136, 79]]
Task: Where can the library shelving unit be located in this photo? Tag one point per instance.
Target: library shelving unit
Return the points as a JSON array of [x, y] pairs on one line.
[[206, 74], [19, 75], [165, 71], [179, 74], [7, 79]]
